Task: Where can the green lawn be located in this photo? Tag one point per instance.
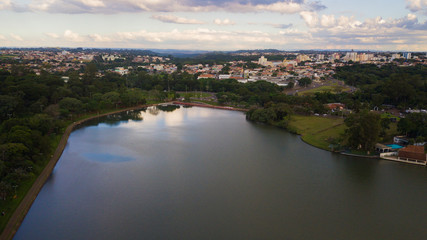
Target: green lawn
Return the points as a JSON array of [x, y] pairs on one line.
[[6, 56], [318, 131], [332, 89], [195, 94]]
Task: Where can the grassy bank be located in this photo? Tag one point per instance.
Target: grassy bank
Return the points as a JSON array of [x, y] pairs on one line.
[[333, 89], [317, 131]]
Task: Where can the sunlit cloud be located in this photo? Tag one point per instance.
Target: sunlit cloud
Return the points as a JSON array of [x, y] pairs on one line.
[[378, 32], [99, 38], [72, 36], [417, 6], [52, 35], [5, 4], [175, 19]]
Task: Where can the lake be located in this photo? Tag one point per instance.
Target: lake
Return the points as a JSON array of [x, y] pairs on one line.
[[199, 173]]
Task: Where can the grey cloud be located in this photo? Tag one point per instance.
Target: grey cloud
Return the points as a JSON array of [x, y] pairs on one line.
[[316, 6], [118, 6], [281, 26], [417, 6]]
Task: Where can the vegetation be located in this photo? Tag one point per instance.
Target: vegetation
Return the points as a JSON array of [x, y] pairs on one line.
[[322, 132], [403, 87], [324, 89], [414, 126], [273, 114], [304, 82], [363, 130]]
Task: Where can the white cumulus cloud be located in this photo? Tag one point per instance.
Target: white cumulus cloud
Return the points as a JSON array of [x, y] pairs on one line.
[[93, 3], [310, 18], [327, 20], [417, 5], [224, 22], [175, 19], [72, 36], [99, 38]]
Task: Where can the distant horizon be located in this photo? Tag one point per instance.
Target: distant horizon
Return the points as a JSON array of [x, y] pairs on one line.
[[212, 51], [222, 25]]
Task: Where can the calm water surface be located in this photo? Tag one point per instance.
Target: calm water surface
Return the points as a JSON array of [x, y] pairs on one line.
[[198, 173]]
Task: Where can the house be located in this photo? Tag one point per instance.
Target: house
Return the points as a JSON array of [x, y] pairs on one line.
[[204, 76], [411, 152], [382, 148], [335, 106], [400, 140]]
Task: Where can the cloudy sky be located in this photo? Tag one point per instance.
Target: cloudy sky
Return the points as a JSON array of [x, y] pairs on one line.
[[399, 25]]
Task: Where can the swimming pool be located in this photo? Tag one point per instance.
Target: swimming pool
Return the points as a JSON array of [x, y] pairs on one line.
[[394, 146]]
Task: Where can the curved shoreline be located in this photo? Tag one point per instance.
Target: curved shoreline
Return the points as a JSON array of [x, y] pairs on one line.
[[24, 206]]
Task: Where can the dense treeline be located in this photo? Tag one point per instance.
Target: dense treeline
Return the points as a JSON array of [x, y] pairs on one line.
[[273, 114], [403, 87], [223, 58]]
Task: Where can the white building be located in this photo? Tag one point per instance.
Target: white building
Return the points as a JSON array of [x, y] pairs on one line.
[[262, 61]]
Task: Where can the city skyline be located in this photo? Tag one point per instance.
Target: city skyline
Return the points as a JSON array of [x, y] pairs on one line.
[[215, 25]]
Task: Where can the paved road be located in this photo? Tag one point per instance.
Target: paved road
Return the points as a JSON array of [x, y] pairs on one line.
[[20, 212]]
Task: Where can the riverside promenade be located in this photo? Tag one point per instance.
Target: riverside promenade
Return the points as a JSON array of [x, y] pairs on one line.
[[22, 209]]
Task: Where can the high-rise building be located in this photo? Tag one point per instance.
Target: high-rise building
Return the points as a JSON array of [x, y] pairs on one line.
[[351, 56], [395, 56], [303, 58], [334, 56], [407, 55], [363, 57], [262, 61]]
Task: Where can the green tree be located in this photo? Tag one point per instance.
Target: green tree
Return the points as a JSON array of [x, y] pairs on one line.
[[413, 125], [111, 99], [304, 82], [385, 124], [70, 105], [363, 130]]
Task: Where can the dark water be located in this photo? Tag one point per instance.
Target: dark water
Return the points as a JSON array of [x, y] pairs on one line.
[[208, 174]]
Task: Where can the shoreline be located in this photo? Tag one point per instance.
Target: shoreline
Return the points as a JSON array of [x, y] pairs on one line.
[[24, 206], [209, 106]]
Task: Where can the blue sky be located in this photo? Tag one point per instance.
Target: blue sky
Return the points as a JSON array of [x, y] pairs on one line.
[[397, 25]]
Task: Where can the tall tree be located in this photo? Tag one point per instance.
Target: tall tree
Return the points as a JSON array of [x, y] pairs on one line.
[[363, 130]]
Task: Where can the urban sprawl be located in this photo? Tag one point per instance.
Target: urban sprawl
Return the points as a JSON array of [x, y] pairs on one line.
[[317, 66]]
